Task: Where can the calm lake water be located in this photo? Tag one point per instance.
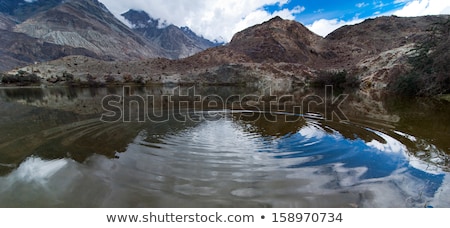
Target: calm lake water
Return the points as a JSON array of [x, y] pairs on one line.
[[56, 152]]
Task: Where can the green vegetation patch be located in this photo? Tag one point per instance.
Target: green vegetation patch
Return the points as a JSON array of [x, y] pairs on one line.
[[338, 79], [22, 78]]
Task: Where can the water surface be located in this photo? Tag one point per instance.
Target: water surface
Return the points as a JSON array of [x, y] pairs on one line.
[[55, 152]]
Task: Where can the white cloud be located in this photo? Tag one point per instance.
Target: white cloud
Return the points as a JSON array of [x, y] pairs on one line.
[[213, 19], [411, 8], [424, 7], [323, 26], [361, 4], [259, 16], [401, 1], [220, 20], [378, 4], [319, 11]]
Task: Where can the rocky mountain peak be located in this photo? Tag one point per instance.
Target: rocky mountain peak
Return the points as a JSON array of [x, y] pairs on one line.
[[278, 40], [177, 42], [278, 27], [140, 19], [276, 18]]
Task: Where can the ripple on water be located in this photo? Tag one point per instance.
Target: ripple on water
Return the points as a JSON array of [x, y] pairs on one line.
[[229, 162]]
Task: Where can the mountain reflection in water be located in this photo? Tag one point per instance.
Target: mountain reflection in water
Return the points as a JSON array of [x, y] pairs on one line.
[[55, 152]]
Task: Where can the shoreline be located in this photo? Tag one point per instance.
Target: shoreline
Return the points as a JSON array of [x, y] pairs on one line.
[[440, 97]]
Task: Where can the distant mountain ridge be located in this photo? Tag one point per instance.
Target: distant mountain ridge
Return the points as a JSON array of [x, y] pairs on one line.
[[177, 42], [88, 24], [19, 49], [84, 25]]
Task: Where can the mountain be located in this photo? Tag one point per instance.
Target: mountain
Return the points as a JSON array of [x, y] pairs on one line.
[[380, 53], [278, 40], [22, 10], [374, 36], [404, 55], [176, 42], [88, 24], [19, 49], [273, 51]]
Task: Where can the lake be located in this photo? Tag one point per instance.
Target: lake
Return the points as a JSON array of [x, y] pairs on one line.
[[209, 146]]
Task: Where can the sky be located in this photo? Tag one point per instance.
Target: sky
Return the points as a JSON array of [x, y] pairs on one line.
[[220, 20]]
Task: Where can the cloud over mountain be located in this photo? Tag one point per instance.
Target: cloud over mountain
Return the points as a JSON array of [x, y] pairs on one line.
[[219, 20], [215, 20]]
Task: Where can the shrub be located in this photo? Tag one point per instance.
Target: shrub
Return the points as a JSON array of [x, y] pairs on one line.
[[127, 78], [139, 80], [22, 78], [68, 76], [405, 85], [93, 82], [109, 79], [339, 79]]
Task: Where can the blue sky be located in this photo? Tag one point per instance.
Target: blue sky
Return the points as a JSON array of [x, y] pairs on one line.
[[343, 10], [219, 20]]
